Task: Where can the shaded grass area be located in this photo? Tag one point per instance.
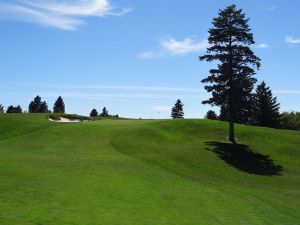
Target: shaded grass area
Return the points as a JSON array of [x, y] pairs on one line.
[[146, 172], [245, 159]]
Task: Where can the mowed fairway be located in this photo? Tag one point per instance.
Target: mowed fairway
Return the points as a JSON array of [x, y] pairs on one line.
[[146, 172]]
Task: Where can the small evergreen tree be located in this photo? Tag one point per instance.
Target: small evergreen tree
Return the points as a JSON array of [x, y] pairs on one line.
[[1, 109], [211, 115], [59, 106], [94, 113], [104, 113], [266, 112], [232, 81], [177, 110]]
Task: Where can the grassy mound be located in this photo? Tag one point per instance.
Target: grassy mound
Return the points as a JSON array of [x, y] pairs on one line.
[[146, 172]]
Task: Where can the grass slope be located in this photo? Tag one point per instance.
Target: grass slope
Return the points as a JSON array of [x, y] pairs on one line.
[[125, 172]]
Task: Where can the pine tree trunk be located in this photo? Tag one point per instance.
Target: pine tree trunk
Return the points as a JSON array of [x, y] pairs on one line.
[[231, 125], [231, 131]]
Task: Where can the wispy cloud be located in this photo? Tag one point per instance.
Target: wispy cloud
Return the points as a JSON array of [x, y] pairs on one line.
[[292, 40], [162, 108], [293, 92], [119, 96], [267, 8], [262, 45], [65, 14], [110, 87], [171, 47]]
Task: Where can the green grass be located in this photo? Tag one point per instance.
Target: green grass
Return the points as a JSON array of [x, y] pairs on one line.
[[146, 172]]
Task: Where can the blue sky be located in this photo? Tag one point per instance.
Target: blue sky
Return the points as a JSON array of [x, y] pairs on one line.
[[136, 57]]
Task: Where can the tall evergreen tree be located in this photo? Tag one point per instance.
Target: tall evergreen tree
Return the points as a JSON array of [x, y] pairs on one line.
[[1, 109], [232, 82], [177, 110], [266, 112], [59, 106], [104, 112], [94, 113]]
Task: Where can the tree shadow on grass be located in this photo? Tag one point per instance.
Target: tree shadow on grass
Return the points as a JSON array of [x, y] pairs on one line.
[[243, 158]]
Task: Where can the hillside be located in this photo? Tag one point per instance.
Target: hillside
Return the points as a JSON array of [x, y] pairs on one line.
[[142, 172]]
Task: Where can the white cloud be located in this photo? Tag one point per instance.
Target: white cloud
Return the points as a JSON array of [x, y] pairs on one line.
[[65, 14], [262, 45], [292, 40], [171, 46], [188, 45]]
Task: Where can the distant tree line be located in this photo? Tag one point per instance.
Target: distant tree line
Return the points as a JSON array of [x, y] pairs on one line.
[[105, 114], [37, 106], [13, 109], [290, 120], [262, 110]]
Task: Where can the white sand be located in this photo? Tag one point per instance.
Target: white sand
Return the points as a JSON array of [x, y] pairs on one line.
[[66, 120]]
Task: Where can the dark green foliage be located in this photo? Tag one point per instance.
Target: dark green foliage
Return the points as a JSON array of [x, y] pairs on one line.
[[223, 116], [18, 109], [12, 109], [1, 108], [211, 115], [290, 120], [104, 112], [44, 108], [32, 107], [59, 106], [232, 82], [177, 110], [266, 112], [94, 113], [37, 106], [243, 116]]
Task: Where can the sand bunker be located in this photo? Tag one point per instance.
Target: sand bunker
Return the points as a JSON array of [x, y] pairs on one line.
[[66, 120]]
